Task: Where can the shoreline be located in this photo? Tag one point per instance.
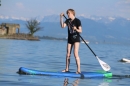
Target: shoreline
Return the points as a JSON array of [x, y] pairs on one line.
[[20, 36]]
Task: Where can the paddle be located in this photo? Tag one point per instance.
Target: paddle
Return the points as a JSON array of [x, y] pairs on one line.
[[104, 65]]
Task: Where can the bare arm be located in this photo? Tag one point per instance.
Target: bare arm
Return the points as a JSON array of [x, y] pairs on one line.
[[63, 25]]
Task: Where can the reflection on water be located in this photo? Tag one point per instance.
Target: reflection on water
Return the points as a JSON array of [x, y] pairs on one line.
[[104, 84], [74, 83]]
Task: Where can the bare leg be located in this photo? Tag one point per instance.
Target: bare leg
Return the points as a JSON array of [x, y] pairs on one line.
[[69, 48], [76, 49]]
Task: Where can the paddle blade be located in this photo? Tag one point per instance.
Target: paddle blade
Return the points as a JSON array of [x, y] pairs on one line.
[[104, 65]]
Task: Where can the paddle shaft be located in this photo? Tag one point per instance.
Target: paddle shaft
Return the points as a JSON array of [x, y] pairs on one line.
[[83, 39]]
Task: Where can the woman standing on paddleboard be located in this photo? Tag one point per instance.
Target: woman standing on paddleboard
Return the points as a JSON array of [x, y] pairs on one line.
[[74, 29]]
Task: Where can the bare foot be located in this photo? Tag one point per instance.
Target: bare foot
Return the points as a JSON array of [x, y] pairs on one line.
[[77, 72], [65, 70]]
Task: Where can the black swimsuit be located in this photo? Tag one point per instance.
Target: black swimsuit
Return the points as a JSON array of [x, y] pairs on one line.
[[73, 36]]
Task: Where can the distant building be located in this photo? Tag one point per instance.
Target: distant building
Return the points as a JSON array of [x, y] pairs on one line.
[[9, 28]]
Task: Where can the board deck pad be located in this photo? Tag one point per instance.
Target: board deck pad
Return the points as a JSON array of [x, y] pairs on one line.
[[97, 74]]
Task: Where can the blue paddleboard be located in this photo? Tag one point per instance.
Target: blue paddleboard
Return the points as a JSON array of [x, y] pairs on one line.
[[99, 74]]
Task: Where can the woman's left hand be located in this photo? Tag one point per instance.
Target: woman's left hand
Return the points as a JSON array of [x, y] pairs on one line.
[[74, 28]]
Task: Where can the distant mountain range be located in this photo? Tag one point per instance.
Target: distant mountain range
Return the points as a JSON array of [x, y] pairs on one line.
[[95, 28]]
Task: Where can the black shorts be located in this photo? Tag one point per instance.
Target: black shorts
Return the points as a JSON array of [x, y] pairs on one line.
[[72, 40]]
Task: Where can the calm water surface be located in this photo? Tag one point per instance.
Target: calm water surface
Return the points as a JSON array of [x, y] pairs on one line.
[[49, 55]]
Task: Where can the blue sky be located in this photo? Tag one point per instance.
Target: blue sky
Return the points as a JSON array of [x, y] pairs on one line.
[[87, 8]]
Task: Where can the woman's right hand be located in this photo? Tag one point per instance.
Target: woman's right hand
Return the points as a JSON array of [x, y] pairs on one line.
[[61, 14]]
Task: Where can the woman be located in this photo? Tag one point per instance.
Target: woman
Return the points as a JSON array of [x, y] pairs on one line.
[[74, 28]]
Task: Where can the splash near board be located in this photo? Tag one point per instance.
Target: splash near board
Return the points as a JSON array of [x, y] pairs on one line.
[[98, 74]]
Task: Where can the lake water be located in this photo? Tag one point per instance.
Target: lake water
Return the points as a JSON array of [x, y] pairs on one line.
[[49, 55]]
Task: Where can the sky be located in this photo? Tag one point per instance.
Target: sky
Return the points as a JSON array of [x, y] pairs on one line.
[[25, 9]]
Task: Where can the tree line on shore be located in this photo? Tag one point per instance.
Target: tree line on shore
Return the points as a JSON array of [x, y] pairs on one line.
[[52, 38]]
